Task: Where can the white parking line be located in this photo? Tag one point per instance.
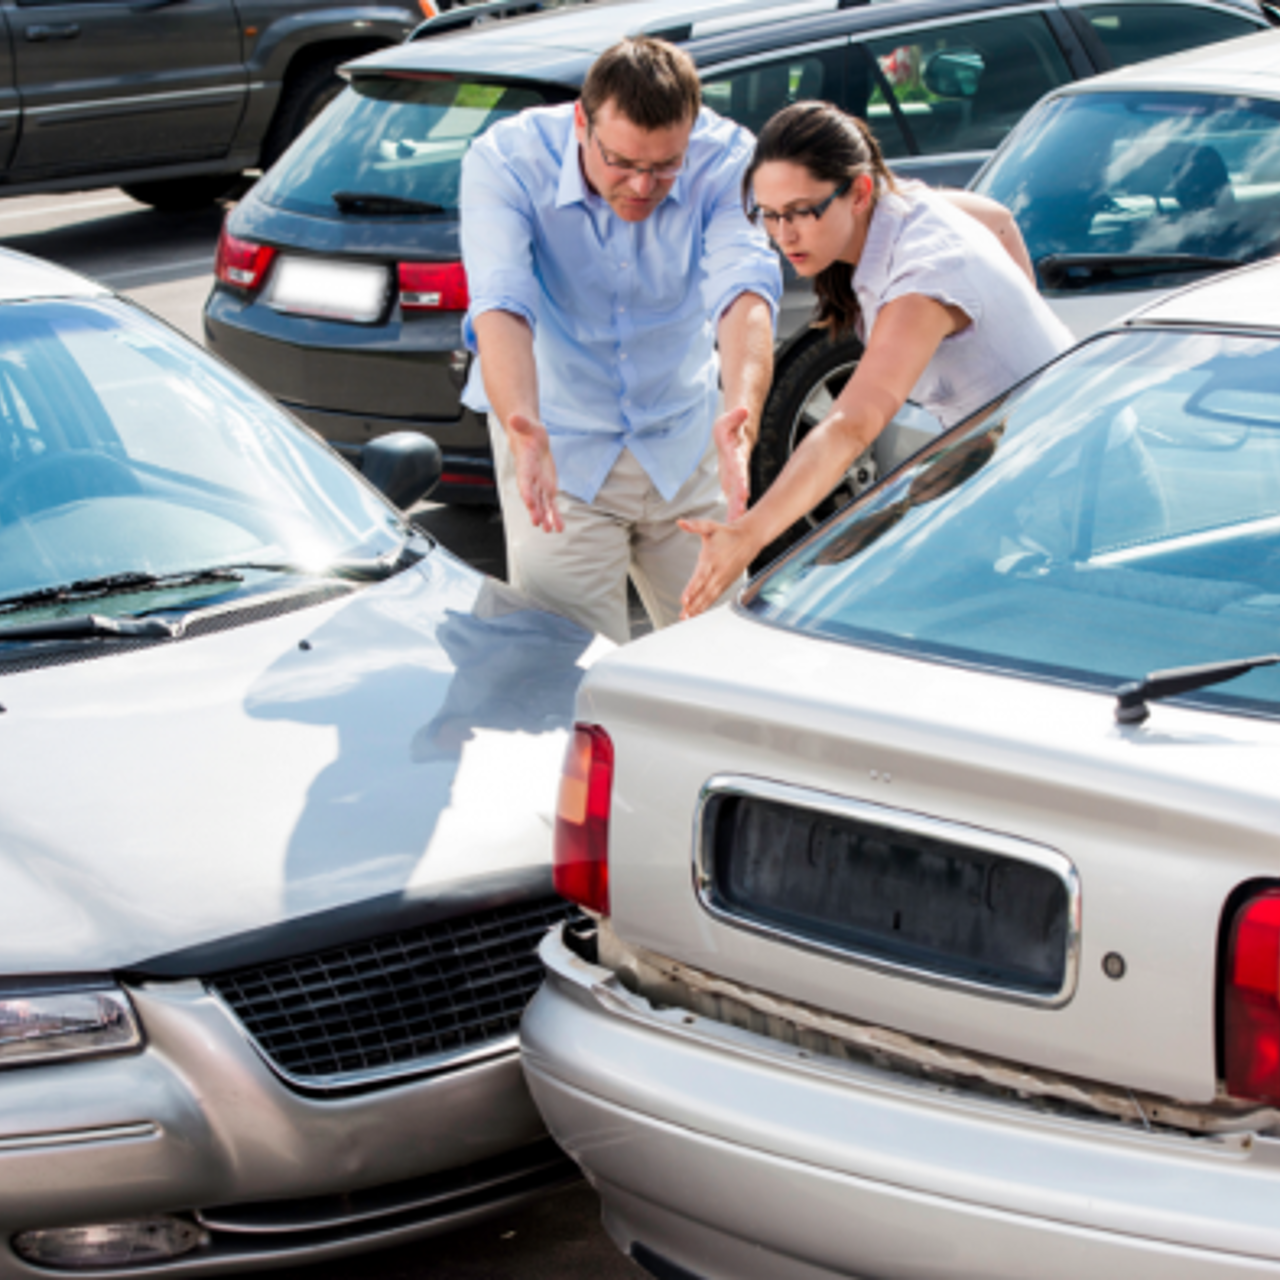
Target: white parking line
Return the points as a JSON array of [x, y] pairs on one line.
[[86, 204], [117, 278]]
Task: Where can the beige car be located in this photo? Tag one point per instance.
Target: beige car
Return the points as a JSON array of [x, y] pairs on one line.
[[936, 883]]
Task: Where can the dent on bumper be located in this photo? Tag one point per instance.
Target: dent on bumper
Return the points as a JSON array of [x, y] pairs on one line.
[[198, 1123], [715, 1146]]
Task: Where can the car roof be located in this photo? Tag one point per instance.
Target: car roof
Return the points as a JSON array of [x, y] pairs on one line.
[[1245, 65], [1245, 298], [27, 279], [557, 45]]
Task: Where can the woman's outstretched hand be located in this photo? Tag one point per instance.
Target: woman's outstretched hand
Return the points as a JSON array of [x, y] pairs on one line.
[[727, 550], [535, 471]]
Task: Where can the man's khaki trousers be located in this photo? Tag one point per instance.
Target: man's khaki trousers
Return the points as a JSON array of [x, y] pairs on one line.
[[630, 529]]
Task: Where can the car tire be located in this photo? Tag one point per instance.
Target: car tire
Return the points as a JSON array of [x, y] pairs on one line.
[[183, 195], [806, 383], [305, 95]]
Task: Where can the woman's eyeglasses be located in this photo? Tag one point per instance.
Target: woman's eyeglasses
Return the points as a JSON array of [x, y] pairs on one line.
[[771, 219], [659, 172]]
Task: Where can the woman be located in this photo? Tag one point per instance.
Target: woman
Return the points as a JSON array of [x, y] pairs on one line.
[[946, 310]]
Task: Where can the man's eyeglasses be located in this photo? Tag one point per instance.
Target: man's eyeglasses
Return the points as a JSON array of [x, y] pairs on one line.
[[659, 172], [771, 219]]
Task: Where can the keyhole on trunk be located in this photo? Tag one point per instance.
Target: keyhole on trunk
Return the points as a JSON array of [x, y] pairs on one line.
[[897, 921]]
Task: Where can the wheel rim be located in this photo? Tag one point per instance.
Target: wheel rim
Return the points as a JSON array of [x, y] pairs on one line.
[[813, 408]]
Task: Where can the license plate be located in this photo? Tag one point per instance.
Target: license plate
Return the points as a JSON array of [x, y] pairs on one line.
[[352, 291], [899, 891]]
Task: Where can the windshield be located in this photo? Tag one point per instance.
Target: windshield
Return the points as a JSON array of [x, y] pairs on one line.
[[1135, 174], [124, 449], [400, 135], [1118, 514]]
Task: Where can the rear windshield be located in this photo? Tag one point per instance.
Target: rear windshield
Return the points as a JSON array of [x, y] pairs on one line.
[[399, 135], [1132, 174]]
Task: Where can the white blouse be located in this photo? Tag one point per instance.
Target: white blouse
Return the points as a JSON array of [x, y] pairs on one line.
[[919, 242]]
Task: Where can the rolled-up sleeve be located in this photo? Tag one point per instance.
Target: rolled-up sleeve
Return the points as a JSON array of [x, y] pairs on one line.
[[496, 231], [737, 255]]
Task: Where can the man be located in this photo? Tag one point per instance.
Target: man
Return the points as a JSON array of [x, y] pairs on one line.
[[608, 254]]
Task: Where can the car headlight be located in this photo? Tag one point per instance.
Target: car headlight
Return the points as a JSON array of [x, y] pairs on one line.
[[47, 1024]]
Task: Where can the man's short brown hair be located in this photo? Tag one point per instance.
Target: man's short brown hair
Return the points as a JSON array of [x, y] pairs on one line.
[[650, 82]]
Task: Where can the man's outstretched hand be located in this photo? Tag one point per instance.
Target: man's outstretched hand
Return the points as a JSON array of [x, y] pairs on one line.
[[733, 448], [535, 471]]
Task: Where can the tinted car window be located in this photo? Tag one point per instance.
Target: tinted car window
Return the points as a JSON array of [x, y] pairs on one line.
[[750, 95], [961, 87], [1118, 514], [392, 135], [1135, 32], [1129, 174]]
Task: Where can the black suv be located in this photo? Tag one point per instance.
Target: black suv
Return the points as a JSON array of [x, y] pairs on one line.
[[339, 287], [171, 99]]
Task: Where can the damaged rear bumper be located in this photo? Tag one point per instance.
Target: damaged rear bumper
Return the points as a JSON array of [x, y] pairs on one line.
[[732, 1153]]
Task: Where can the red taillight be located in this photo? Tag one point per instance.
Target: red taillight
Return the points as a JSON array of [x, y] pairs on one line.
[[241, 263], [1251, 1001], [582, 820], [433, 286]]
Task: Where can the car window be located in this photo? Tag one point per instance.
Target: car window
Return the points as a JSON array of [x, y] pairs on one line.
[[1135, 32], [392, 135], [1119, 176], [1118, 514], [750, 95], [124, 448], [960, 87]]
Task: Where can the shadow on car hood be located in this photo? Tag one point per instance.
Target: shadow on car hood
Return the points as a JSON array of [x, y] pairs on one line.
[[367, 755]]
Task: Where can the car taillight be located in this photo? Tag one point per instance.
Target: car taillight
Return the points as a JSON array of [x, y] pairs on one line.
[[433, 286], [241, 263], [581, 863], [1251, 1001]]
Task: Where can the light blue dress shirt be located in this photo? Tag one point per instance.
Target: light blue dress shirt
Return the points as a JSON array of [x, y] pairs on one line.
[[623, 313]]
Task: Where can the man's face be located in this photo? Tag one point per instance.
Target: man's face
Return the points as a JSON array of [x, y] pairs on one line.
[[613, 147]]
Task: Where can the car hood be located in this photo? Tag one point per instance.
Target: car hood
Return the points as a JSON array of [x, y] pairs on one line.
[[358, 758]]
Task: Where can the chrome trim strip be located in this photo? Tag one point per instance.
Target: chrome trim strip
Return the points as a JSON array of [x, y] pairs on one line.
[[78, 1137], [229, 92], [837, 806]]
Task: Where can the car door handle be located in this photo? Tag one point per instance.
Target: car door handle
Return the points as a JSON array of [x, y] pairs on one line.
[[53, 31], [148, 6]]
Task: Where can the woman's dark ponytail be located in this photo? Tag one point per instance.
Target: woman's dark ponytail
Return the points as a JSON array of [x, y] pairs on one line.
[[835, 147]]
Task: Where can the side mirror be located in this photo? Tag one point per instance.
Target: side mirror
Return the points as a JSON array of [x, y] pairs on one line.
[[404, 465], [953, 73]]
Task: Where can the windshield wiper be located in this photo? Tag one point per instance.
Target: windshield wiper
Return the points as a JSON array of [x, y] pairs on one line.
[[87, 625], [114, 584], [1078, 270], [1132, 699], [371, 202]]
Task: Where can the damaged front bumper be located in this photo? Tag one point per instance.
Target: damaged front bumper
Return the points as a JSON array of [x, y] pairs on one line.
[[734, 1134]]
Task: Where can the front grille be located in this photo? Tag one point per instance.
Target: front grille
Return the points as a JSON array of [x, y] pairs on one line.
[[391, 1004]]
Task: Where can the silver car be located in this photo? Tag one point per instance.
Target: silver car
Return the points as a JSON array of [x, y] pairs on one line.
[[277, 776], [936, 884]]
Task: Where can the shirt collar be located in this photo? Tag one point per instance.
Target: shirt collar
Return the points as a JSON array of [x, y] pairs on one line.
[[573, 187]]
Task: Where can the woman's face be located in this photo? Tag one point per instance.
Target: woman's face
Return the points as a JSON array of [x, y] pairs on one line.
[[811, 228]]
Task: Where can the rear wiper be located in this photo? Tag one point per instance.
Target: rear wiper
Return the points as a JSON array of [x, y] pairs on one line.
[[371, 202], [114, 584], [88, 625], [1132, 699], [1078, 270]]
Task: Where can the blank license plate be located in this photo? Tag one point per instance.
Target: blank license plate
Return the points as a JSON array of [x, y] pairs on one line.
[[354, 291]]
